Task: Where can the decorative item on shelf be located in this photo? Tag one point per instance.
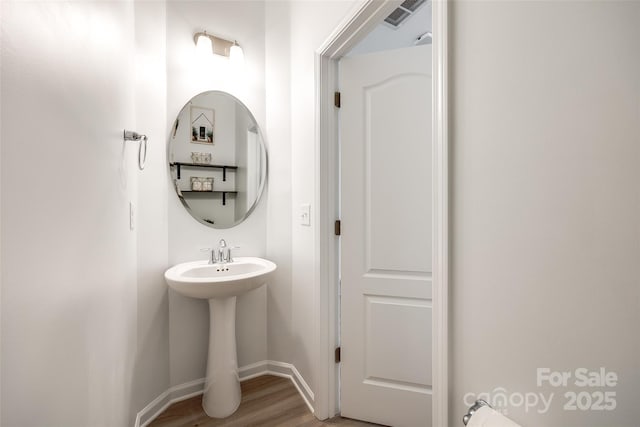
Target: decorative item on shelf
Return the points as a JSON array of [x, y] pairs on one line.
[[207, 184], [200, 158], [196, 184], [202, 125], [201, 183]]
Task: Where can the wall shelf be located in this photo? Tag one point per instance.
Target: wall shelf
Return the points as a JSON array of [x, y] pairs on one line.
[[179, 165], [224, 194]]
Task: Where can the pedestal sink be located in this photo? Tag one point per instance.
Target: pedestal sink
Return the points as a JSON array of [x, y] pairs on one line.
[[220, 284]]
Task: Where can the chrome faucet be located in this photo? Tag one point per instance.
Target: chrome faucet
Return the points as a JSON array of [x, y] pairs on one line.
[[221, 254]]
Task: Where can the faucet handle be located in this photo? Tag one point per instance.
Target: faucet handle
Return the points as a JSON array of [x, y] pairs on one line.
[[229, 257], [213, 258]]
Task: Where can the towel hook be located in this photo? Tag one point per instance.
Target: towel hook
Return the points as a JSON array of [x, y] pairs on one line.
[[135, 136]]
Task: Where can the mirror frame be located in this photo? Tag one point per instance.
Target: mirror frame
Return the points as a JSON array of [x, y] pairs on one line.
[[263, 144]]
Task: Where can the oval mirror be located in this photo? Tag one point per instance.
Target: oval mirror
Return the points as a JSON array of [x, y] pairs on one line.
[[218, 159]]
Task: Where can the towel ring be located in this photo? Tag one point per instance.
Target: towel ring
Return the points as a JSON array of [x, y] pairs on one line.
[[135, 136]]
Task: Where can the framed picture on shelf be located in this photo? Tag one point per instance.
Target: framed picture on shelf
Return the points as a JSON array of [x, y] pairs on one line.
[[202, 125]]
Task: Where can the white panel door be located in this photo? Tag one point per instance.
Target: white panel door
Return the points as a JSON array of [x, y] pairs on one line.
[[385, 139]]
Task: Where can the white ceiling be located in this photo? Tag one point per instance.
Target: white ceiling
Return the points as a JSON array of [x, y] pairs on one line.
[[384, 37]]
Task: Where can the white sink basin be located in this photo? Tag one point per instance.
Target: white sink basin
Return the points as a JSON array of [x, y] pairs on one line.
[[199, 279], [220, 284]]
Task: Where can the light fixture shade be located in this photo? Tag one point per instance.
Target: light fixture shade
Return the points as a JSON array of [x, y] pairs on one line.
[[204, 45], [236, 54]]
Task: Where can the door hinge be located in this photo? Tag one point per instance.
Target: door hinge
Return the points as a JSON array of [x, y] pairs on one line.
[[336, 99], [337, 355], [336, 227]]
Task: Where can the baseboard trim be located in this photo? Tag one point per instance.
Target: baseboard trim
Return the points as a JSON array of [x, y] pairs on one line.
[[254, 370], [287, 370], [193, 388], [172, 395]]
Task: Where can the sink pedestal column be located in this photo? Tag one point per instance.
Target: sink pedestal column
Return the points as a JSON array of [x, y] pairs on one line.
[[222, 394]]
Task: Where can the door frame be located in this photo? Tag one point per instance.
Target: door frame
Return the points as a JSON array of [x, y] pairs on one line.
[[350, 31]]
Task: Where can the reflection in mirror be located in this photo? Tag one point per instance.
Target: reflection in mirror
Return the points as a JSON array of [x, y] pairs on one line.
[[218, 159]]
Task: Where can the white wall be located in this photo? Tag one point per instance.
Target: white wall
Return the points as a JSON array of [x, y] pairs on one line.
[[151, 374], [103, 327], [311, 24], [278, 133], [545, 201], [187, 76], [86, 324], [69, 259], [1, 258]]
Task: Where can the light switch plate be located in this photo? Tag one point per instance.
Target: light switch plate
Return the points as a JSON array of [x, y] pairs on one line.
[[305, 214], [132, 216]]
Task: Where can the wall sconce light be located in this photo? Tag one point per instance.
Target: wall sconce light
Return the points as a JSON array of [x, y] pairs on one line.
[[236, 54], [207, 43]]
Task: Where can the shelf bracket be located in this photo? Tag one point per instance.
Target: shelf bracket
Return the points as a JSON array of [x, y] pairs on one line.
[[178, 169], [224, 198], [224, 173]]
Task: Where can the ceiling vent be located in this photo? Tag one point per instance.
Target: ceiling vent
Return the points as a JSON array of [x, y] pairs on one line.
[[402, 12]]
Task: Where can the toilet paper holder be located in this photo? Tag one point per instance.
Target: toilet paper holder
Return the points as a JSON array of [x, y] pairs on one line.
[[472, 410]]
